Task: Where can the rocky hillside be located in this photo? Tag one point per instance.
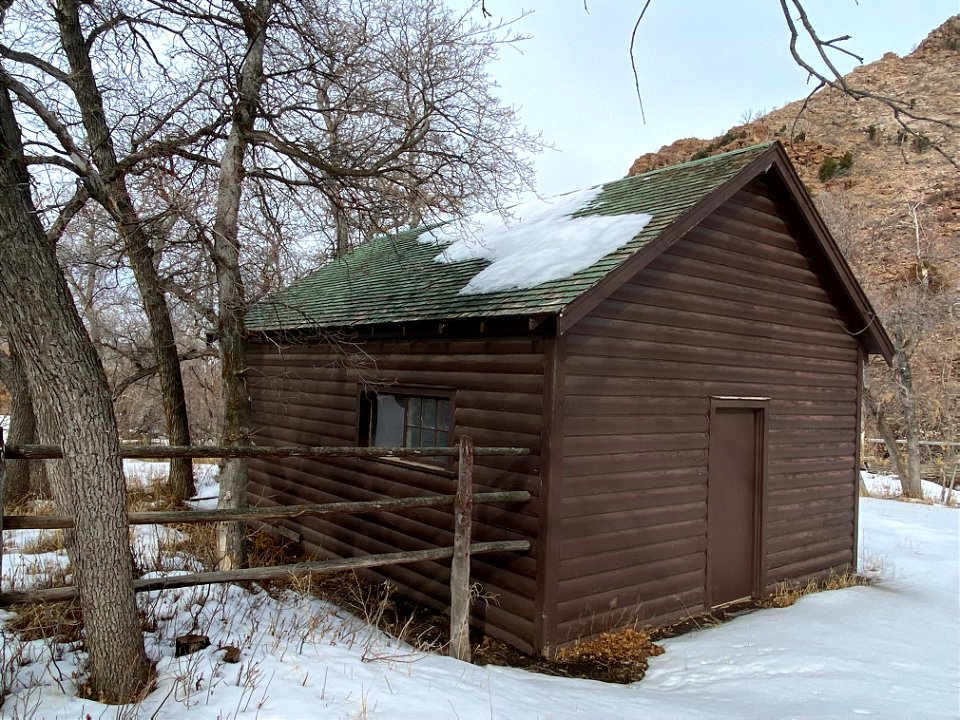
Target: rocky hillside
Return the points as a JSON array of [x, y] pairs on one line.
[[858, 147], [891, 197]]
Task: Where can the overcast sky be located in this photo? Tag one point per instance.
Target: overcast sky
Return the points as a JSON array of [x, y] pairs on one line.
[[703, 65]]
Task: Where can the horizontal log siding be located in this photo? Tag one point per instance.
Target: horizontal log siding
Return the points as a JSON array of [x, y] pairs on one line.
[[734, 308], [307, 394]]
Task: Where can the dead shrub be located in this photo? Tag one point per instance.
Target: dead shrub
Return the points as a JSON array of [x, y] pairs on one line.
[[623, 646]]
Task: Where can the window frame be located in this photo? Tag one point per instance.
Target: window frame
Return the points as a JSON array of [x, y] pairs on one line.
[[366, 398]]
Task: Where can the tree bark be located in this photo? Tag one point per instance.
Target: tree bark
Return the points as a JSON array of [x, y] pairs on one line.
[[23, 478], [226, 252], [112, 193], [74, 409], [910, 481]]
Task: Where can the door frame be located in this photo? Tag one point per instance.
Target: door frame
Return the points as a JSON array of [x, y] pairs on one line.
[[761, 408]]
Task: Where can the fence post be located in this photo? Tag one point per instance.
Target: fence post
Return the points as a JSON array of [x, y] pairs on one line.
[[3, 489], [460, 567]]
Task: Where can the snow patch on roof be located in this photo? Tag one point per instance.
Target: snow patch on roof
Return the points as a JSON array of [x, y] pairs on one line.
[[539, 241]]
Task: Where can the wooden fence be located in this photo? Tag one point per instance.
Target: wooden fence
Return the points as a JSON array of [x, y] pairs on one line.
[[462, 501]]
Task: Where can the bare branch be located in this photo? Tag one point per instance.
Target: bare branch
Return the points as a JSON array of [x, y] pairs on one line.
[[633, 59], [73, 206], [121, 385], [837, 81]]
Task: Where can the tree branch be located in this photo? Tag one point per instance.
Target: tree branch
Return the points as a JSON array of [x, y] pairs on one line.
[[120, 386]]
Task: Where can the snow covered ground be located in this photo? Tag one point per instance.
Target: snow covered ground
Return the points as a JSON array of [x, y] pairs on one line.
[[891, 649]]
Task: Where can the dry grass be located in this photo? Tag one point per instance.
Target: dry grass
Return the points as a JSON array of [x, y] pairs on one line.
[[46, 541], [61, 622], [787, 593], [626, 646]]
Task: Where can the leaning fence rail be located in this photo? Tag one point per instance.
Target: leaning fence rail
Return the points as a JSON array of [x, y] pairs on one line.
[[462, 502]]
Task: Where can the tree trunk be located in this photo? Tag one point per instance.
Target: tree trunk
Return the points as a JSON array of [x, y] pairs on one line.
[[112, 193], [909, 482], [74, 409], [23, 478], [889, 438], [226, 257]]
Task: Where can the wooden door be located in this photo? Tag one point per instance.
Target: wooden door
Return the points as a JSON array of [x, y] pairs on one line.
[[734, 489]]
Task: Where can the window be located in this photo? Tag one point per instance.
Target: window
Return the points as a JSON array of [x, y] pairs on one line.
[[400, 420]]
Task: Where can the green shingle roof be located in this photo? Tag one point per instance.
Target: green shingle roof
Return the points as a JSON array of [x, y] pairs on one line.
[[395, 278]]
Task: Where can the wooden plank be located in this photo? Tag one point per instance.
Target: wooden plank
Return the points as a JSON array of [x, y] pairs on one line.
[[627, 558], [681, 602], [614, 581], [808, 568], [610, 446], [639, 479], [770, 247], [598, 542], [632, 518], [598, 423], [574, 506], [679, 350], [529, 403], [526, 425], [49, 522], [720, 335], [732, 266], [757, 277], [631, 309], [673, 295], [692, 283], [50, 452], [492, 363], [735, 217], [586, 465], [733, 368], [269, 573], [460, 565], [633, 406], [827, 552], [585, 383]]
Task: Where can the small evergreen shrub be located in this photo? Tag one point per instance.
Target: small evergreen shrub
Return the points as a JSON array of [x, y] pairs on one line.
[[831, 166]]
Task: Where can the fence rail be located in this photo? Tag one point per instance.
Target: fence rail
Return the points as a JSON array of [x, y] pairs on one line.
[[167, 452], [462, 501], [925, 443]]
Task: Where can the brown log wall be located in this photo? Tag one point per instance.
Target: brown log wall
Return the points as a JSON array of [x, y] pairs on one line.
[[735, 308], [307, 394]]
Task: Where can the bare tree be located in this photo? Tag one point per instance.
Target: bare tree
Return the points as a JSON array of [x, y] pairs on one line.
[[909, 267], [386, 123], [23, 478], [78, 103], [74, 410]]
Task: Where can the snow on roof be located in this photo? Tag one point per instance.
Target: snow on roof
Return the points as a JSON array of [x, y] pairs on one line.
[[536, 242]]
